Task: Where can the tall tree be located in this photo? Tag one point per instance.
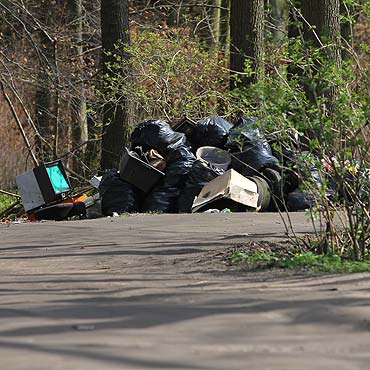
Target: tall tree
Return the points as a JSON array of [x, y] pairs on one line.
[[322, 28], [44, 85], [246, 29], [78, 101], [115, 31]]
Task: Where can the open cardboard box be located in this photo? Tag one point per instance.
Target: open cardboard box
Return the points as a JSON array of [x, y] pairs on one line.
[[231, 185]]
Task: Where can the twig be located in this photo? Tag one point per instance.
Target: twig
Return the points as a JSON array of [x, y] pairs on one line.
[[9, 193], [19, 124], [10, 84], [7, 211]]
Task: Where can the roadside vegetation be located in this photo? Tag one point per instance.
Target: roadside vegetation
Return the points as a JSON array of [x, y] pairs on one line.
[[5, 201], [268, 256]]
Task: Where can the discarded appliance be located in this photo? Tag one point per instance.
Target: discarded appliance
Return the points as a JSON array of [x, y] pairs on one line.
[[44, 185], [231, 186], [69, 207], [137, 172]]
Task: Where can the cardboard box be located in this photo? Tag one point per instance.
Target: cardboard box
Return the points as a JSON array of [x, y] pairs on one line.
[[231, 185]]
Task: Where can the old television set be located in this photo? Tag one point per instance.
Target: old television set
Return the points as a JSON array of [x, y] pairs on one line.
[[44, 185]]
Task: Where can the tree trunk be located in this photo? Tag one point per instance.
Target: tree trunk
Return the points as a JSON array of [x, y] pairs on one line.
[[216, 24], [325, 17], [279, 20], [44, 86], [246, 29], [226, 26], [78, 101], [115, 29], [323, 29]]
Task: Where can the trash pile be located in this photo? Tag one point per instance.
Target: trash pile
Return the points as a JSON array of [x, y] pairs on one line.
[[195, 167], [209, 166]]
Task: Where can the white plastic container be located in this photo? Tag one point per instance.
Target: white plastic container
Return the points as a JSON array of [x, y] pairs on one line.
[[215, 156]]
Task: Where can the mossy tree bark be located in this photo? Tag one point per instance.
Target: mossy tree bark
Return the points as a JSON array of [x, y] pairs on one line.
[[216, 24]]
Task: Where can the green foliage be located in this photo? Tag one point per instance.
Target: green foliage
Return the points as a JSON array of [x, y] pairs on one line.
[[328, 263], [320, 110], [5, 201], [172, 75]]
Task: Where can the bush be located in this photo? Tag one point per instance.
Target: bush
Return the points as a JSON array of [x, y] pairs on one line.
[[172, 76], [321, 113]]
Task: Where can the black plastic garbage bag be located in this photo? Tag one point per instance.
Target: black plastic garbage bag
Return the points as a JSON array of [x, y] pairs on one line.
[[257, 157], [299, 200], [201, 173], [244, 132], [117, 195], [164, 197], [158, 135], [179, 162], [212, 131], [250, 147]]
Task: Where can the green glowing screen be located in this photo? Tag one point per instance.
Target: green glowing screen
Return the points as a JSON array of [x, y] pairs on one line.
[[57, 178]]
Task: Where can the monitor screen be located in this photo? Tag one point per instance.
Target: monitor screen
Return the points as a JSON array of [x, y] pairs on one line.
[[57, 178]]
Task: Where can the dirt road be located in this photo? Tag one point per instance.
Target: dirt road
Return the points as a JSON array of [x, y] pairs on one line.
[[150, 292]]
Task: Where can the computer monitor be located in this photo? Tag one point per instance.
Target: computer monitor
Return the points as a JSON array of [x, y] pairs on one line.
[[58, 178], [44, 185]]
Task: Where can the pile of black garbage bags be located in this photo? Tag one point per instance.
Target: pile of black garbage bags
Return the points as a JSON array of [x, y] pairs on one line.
[[180, 175]]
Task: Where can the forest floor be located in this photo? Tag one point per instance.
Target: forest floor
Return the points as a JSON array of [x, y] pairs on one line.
[[156, 292]]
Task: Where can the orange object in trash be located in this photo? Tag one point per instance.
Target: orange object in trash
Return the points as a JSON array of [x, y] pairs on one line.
[[77, 198]]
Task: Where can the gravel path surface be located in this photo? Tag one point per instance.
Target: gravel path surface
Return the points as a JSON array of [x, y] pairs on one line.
[[153, 292]]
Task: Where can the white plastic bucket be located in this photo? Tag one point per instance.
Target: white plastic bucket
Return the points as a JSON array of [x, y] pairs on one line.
[[215, 156]]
